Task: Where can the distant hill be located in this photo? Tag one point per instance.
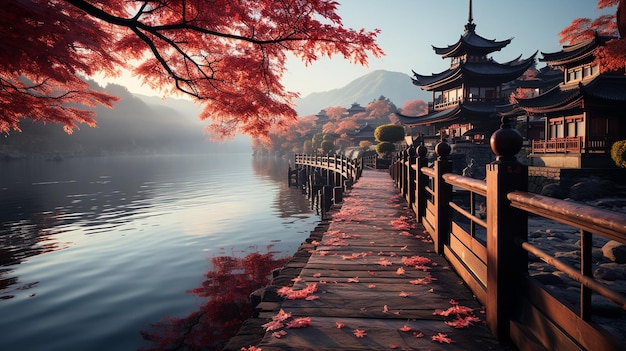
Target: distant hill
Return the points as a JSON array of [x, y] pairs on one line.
[[137, 125], [394, 85]]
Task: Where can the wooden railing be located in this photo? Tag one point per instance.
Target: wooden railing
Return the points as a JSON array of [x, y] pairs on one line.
[[325, 177], [572, 144], [481, 227], [557, 145]]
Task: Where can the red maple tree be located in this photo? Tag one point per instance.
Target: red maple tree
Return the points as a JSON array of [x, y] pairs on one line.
[[228, 55], [612, 56]]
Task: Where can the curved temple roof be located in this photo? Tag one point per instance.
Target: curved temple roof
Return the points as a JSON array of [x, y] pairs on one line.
[[477, 109], [484, 73], [471, 43], [564, 97], [574, 53]]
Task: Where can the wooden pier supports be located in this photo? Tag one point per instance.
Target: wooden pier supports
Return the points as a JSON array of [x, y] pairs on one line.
[[324, 178]]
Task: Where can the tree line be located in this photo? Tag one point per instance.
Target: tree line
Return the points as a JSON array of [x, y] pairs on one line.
[[333, 129]]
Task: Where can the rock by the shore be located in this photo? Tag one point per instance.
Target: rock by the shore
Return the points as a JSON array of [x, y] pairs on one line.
[[591, 188], [615, 251]]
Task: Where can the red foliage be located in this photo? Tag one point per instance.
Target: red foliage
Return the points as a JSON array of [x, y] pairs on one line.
[[414, 108], [228, 55], [46, 45], [612, 56], [226, 289]]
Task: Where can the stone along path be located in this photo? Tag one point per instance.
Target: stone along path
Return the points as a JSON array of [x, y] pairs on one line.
[[372, 282]]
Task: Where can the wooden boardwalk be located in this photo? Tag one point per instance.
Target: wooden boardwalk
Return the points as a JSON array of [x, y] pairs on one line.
[[373, 282]]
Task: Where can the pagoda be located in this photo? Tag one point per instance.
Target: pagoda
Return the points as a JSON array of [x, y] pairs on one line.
[[583, 115], [466, 94]]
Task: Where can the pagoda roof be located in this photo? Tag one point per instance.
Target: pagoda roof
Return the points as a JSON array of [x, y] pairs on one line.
[[474, 112], [480, 73], [604, 89], [571, 54], [546, 77], [471, 44]]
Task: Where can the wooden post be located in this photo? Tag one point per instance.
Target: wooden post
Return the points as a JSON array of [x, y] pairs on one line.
[[410, 196], [443, 196], [421, 182], [506, 260], [399, 169]]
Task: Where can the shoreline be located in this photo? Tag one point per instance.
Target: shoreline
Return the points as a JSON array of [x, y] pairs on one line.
[[265, 301]]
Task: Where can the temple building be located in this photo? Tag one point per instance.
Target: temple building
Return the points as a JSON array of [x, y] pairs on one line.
[[465, 95], [583, 115]]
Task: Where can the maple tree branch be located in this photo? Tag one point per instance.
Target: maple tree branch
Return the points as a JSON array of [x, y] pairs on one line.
[[134, 22]]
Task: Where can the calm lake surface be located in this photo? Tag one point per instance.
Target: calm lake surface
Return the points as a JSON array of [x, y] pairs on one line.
[[94, 250]]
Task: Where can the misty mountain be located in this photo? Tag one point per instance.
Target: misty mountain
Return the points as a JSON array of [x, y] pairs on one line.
[[133, 126], [394, 85]]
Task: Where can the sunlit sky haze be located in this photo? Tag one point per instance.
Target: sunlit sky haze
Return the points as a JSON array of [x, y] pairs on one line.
[[410, 28]]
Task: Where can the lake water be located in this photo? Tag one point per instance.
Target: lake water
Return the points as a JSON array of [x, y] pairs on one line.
[[94, 250]]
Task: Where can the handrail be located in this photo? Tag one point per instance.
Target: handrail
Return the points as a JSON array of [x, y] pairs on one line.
[[494, 262], [474, 185], [602, 222], [588, 282], [428, 171], [346, 167]]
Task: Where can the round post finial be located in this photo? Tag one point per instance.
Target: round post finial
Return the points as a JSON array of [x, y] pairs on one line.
[[443, 149], [422, 150], [506, 142], [412, 151]]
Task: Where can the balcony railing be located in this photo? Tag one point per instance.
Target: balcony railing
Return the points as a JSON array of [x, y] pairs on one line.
[[573, 145], [558, 145]]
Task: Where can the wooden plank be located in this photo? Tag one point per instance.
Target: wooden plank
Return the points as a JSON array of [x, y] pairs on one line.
[[361, 279], [471, 262], [323, 334], [553, 312], [475, 285], [474, 245]]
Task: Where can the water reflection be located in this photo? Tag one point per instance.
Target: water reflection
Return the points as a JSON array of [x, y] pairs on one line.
[[289, 200], [109, 245], [42, 199]]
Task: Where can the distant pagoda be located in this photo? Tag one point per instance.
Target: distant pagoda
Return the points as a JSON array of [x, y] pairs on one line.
[[584, 114], [465, 95]]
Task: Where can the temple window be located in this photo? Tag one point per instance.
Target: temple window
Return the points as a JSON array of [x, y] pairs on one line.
[[580, 128], [571, 129], [490, 93], [474, 94], [582, 72], [455, 61]]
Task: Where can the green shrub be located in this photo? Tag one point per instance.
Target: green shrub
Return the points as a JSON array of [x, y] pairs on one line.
[[389, 132], [385, 148], [618, 153], [327, 146]]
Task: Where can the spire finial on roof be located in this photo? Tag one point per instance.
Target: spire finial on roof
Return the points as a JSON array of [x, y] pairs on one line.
[[470, 26]]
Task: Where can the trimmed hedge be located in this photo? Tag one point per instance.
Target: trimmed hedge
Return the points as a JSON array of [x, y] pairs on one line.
[[618, 153], [389, 132], [385, 148]]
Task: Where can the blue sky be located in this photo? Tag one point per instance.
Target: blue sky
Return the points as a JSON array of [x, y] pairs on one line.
[[411, 27]]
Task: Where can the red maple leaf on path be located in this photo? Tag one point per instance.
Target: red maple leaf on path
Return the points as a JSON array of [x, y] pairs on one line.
[[441, 338], [353, 280], [359, 333], [463, 322], [299, 323]]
